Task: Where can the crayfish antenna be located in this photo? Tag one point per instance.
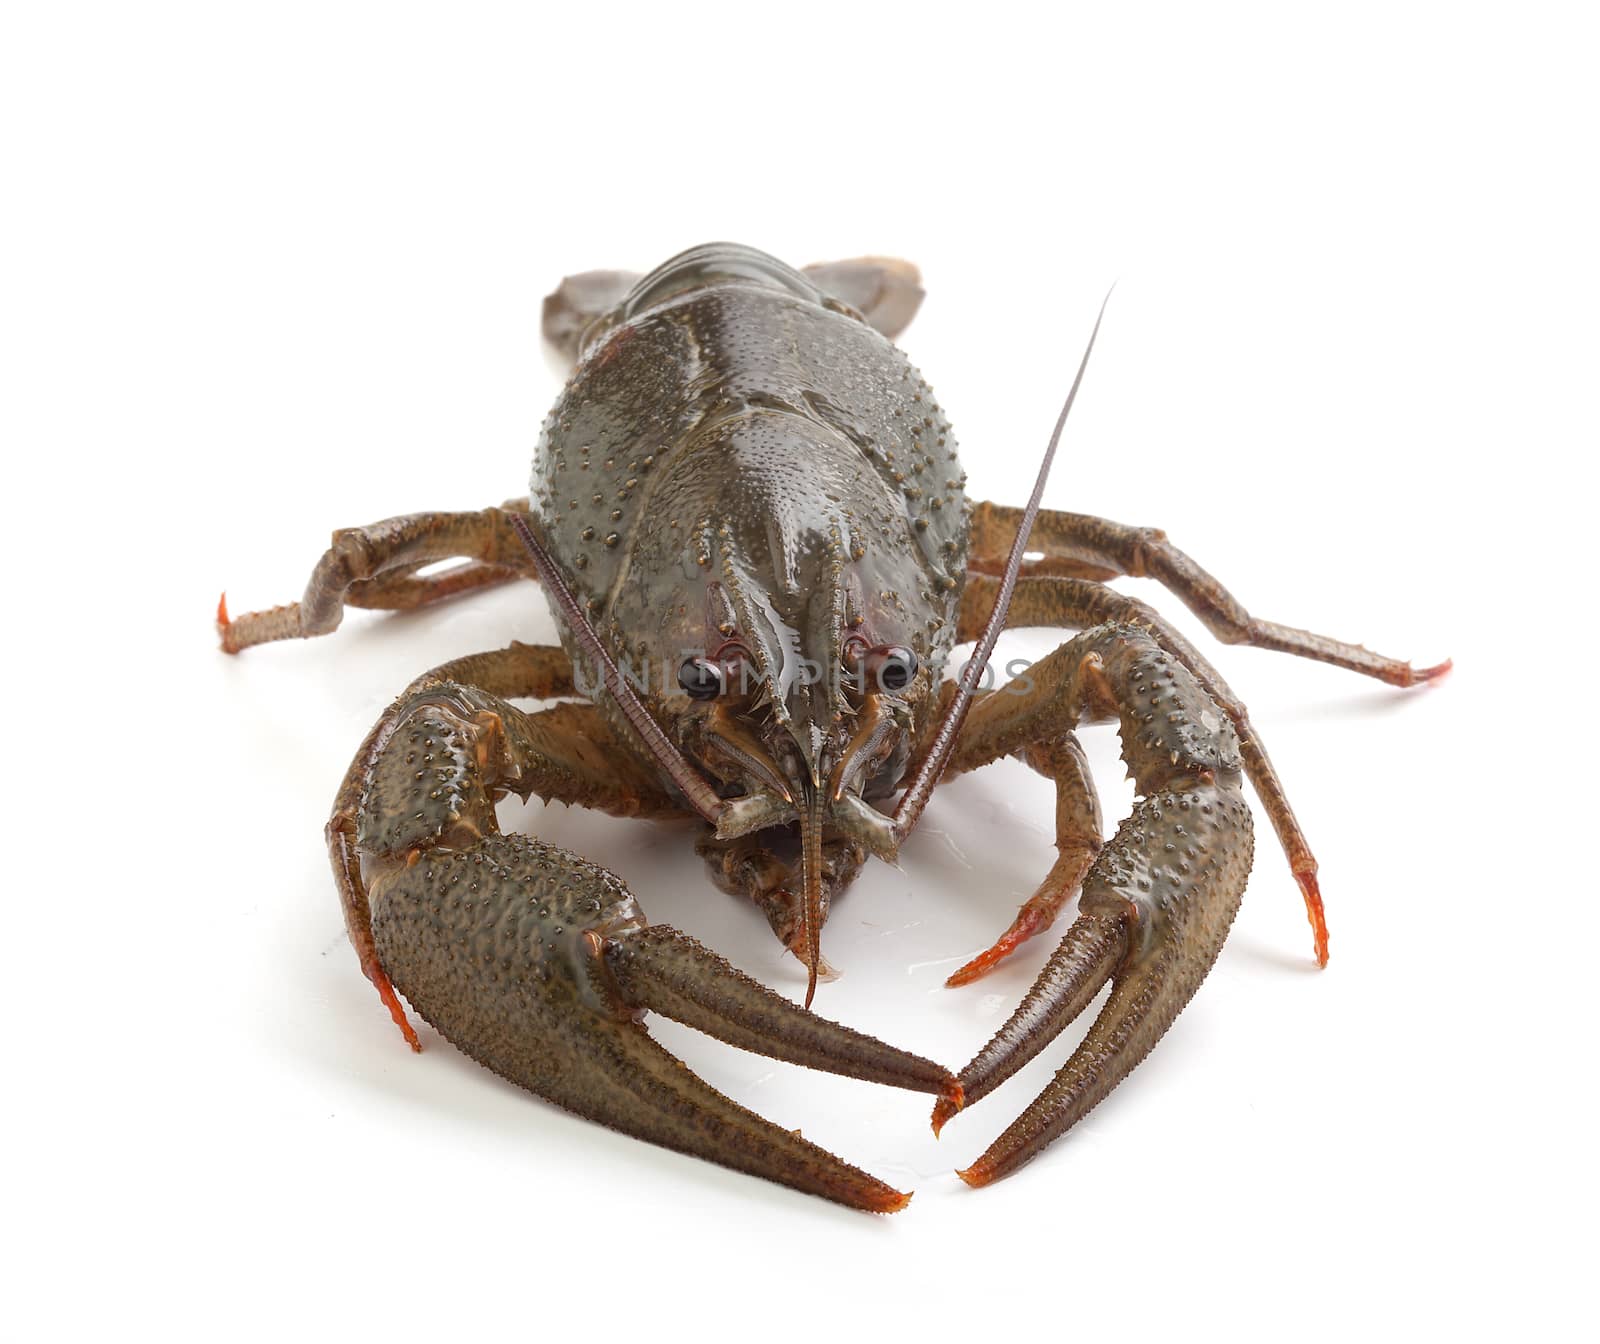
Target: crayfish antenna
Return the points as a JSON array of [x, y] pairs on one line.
[[916, 796], [811, 886]]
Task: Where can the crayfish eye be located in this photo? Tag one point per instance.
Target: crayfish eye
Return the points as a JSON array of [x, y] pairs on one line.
[[894, 668], [700, 678]]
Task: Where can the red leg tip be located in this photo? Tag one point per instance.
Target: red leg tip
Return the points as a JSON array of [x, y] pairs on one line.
[[977, 968], [1437, 673], [978, 1175], [1315, 913], [391, 1001], [1027, 923], [946, 1107], [225, 625]]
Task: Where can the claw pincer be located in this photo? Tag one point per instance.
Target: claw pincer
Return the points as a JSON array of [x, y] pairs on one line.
[[541, 969], [1158, 900], [541, 966]]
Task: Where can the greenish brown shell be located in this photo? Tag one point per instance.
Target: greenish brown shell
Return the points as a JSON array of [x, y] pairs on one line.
[[738, 451]]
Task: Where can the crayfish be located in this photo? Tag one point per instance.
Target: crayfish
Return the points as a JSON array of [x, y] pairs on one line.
[[748, 515]]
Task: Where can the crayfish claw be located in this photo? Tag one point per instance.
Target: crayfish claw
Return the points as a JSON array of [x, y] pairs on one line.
[[1157, 902], [541, 967], [656, 967], [1154, 946]]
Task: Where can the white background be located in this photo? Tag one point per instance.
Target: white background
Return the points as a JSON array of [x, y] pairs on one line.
[[269, 270]]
